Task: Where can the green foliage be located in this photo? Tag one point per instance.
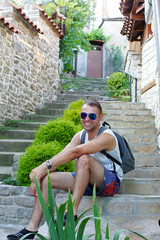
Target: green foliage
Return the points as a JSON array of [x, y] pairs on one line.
[[11, 123], [78, 15], [10, 181], [118, 85], [72, 113], [72, 230], [95, 34], [19, 3], [61, 130], [37, 154], [49, 140], [115, 56]]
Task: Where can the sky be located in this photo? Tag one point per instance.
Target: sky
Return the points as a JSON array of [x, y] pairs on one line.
[[113, 6]]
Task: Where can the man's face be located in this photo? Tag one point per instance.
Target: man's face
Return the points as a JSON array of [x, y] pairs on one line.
[[87, 123]]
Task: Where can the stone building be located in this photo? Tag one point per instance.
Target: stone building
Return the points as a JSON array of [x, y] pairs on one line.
[[29, 59], [141, 27]]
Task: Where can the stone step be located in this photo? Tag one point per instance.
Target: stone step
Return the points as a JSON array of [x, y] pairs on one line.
[[57, 105], [131, 118], [74, 97], [143, 147], [140, 186], [147, 159], [141, 138], [119, 205], [134, 131], [50, 111], [123, 105], [5, 172], [131, 124], [144, 172], [8, 158], [30, 125], [18, 134], [41, 118], [14, 145], [127, 112], [27, 133]]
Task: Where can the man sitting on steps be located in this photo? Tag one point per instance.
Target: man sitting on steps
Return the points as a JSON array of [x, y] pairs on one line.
[[92, 167]]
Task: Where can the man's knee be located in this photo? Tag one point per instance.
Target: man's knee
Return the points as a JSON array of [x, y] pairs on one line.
[[84, 161]]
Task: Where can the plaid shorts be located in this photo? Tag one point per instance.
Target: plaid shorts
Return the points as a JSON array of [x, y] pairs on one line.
[[110, 187]]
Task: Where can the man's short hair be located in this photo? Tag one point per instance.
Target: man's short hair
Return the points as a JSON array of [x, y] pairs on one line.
[[92, 103]]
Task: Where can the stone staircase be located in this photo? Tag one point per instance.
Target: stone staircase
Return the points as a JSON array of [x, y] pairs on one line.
[[139, 196]]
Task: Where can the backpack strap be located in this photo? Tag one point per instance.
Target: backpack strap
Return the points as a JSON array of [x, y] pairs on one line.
[[83, 136], [101, 129]]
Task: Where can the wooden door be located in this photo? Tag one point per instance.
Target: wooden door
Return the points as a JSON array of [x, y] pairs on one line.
[[94, 62]]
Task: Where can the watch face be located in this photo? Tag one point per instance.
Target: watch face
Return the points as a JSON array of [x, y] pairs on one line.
[[48, 162]]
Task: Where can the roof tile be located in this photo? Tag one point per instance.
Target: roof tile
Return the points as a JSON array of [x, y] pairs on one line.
[[7, 25], [26, 19], [51, 21]]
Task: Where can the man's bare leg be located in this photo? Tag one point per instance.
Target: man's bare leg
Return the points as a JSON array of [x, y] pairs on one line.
[[88, 171], [59, 180]]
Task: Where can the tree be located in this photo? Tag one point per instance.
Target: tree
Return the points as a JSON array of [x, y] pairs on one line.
[[78, 15]]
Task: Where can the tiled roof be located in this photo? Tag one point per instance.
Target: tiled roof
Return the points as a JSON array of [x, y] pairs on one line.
[[25, 18], [51, 21], [134, 22], [7, 25]]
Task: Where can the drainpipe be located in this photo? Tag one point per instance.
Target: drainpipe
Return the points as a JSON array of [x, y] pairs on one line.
[[148, 11], [153, 6]]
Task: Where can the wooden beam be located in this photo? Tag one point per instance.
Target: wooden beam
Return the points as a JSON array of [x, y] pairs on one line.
[[135, 5], [139, 17], [149, 86], [140, 8]]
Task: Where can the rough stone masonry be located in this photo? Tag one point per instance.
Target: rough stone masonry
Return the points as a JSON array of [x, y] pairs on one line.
[[28, 65]]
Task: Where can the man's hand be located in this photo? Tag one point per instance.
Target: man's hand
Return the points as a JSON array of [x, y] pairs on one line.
[[33, 191], [39, 173]]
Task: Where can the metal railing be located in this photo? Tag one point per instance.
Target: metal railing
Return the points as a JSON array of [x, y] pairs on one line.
[[131, 77]]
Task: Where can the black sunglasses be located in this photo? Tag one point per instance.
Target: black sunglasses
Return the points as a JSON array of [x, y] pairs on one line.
[[92, 116]]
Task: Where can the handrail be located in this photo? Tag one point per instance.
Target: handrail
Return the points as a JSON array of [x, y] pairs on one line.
[[130, 84]]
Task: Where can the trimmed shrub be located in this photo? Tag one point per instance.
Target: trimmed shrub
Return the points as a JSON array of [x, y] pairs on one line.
[[73, 112], [118, 85], [61, 130], [49, 140], [37, 154]]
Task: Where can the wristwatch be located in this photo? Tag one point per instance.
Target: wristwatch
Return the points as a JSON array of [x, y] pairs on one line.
[[48, 162]]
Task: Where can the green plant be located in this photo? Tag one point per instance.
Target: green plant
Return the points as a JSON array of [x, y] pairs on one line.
[[50, 139], [115, 56], [73, 113], [72, 230], [95, 34], [118, 85], [61, 130], [11, 123], [10, 181], [37, 154]]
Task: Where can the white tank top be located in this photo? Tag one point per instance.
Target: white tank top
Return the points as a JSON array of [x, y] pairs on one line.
[[105, 161]]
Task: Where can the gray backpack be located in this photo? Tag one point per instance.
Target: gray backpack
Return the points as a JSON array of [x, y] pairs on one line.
[[128, 161]]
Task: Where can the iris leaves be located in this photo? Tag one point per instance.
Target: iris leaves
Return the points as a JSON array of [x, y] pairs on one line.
[[72, 230]]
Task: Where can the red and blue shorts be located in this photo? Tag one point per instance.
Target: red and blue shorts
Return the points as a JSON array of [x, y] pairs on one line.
[[110, 187]]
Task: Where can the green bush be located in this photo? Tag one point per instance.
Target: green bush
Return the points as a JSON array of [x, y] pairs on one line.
[[118, 85], [60, 129], [37, 154], [73, 112], [49, 140]]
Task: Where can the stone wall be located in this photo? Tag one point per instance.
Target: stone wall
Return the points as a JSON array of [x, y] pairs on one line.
[[16, 204], [133, 67], [149, 85], [28, 66]]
